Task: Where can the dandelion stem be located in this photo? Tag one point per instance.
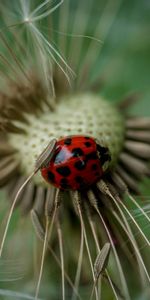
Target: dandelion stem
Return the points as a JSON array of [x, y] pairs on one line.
[[48, 232], [98, 250], [124, 284], [136, 224], [40, 233], [11, 211], [78, 272], [130, 236], [61, 257], [86, 242], [137, 205], [128, 232], [42, 259]]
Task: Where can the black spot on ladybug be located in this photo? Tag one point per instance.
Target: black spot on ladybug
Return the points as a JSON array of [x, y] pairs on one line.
[[87, 137], [94, 167], [80, 165], [51, 176], [92, 155], [64, 171], [68, 141], [64, 183], [77, 152], [104, 154], [87, 144]]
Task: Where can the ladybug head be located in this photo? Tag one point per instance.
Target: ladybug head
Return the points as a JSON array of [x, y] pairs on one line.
[[104, 156]]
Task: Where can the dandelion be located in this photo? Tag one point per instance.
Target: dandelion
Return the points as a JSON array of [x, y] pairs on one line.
[[56, 126]]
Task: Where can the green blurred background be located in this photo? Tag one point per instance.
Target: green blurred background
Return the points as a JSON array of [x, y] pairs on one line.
[[125, 59]]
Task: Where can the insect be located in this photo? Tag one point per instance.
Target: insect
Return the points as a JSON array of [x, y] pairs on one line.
[[77, 163]]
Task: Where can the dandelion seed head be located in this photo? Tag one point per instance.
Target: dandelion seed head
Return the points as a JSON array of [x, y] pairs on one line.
[[74, 115]]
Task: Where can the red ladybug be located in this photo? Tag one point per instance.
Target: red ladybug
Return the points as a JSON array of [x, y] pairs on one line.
[[76, 164]]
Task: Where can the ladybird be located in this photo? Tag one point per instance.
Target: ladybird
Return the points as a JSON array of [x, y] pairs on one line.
[[76, 164]]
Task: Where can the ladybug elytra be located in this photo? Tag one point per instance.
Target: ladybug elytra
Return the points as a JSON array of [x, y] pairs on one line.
[[76, 164]]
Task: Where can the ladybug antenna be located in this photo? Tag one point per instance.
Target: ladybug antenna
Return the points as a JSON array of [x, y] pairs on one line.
[[41, 161]]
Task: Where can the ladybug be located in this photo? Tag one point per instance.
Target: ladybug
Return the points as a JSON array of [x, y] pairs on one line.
[[76, 164]]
